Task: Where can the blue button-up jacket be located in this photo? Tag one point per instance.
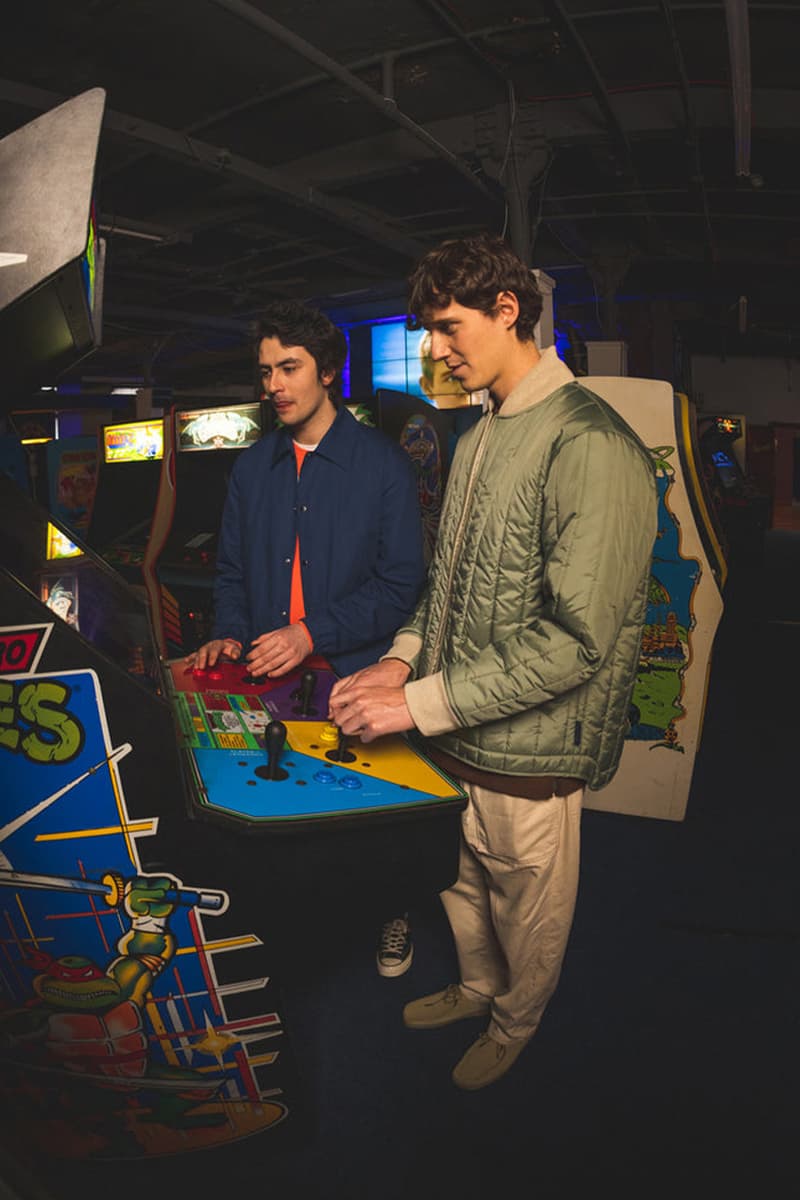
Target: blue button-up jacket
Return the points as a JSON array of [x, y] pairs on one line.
[[356, 513]]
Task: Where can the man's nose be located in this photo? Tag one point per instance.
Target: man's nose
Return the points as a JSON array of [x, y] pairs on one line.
[[439, 346]]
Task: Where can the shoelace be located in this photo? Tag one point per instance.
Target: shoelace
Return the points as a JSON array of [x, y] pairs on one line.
[[500, 1049], [393, 936]]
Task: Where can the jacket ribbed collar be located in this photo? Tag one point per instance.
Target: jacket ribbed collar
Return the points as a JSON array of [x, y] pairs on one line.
[[549, 374]]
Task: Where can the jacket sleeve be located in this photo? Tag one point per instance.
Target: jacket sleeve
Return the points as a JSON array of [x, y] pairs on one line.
[[374, 610], [230, 596], [598, 529]]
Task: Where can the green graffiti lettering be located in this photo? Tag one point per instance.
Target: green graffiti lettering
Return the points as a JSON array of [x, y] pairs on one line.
[[41, 704]]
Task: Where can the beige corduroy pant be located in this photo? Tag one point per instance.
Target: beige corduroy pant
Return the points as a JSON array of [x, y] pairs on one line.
[[511, 907]]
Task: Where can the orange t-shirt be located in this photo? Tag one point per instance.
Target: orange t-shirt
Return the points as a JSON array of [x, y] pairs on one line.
[[297, 607]]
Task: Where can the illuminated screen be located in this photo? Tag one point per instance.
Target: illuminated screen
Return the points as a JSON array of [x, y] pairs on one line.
[[59, 545], [136, 441], [61, 597], [401, 362], [231, 428], [730, 425], [89, 261], [721, 459]]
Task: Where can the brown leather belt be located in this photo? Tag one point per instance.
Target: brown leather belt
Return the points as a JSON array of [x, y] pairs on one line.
[[532, 787]]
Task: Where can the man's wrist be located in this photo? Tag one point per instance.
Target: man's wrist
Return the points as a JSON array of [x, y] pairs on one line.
[[404, 673], [302, 625]]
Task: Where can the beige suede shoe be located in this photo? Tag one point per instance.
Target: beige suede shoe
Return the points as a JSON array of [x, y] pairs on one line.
[[485, 1061], [442, 1008]]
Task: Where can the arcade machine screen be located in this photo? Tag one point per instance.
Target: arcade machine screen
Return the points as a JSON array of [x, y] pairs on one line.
[[129, 468], [183, 542]]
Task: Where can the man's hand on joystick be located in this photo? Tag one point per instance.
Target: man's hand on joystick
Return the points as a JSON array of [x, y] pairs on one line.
[[341, 753]]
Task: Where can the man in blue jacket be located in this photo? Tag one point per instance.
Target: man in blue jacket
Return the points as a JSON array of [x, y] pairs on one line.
[[320, 547]]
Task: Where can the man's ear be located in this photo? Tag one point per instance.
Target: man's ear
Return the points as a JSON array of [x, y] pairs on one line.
[[507, 308], [326, 378]]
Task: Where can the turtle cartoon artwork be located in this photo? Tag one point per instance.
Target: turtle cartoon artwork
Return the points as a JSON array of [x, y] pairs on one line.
[[90, 1022], [117, 1039]]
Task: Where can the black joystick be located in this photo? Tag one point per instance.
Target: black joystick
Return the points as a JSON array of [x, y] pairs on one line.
[[341, 753], [303, 694], [274, 738], [249, 677]]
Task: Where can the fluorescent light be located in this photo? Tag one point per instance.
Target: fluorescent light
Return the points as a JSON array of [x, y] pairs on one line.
[[124, 391]]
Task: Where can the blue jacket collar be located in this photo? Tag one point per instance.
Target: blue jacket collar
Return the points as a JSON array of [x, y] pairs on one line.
[[337, 444]]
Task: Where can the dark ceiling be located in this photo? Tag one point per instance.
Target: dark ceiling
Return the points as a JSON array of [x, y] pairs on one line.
[[642, 154]]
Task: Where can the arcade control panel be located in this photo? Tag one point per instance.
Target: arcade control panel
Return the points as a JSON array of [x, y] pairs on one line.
[[262, 754]]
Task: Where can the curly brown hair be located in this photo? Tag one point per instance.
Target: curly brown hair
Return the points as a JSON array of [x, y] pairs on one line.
[[295, 324], [472, 271]]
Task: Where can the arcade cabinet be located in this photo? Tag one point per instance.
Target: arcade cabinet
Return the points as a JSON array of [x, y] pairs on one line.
[[429, 437], [147, 822], [129, 458], [71, 479], [200, 448], [685, 606], [743, 509], [120, 1038]]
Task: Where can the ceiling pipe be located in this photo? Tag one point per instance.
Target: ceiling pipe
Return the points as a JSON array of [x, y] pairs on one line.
[[739, 52], [691, 126], [387, 106]]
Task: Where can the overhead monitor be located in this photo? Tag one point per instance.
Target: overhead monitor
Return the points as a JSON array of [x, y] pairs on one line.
[[402, 362], [230, 427], [52, 276], [133, 441]]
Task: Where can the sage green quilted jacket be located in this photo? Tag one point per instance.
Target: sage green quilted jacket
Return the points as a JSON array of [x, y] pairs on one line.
[[525, 645]]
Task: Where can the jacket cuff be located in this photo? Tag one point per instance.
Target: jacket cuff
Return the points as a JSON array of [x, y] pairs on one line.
[[427, 702], [302, 626], [406, 646]]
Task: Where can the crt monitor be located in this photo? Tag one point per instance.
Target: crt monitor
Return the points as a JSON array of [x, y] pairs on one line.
[[51, 283]]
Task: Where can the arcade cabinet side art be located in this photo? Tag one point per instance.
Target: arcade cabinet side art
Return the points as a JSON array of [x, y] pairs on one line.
[[684, 609], [118, 1037]]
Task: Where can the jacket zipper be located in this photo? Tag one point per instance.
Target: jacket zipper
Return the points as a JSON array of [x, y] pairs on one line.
[[459, 537]]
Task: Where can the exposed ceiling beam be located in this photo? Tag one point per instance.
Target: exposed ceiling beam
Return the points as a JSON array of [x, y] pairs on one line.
[[385, 105], [220, 160]]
